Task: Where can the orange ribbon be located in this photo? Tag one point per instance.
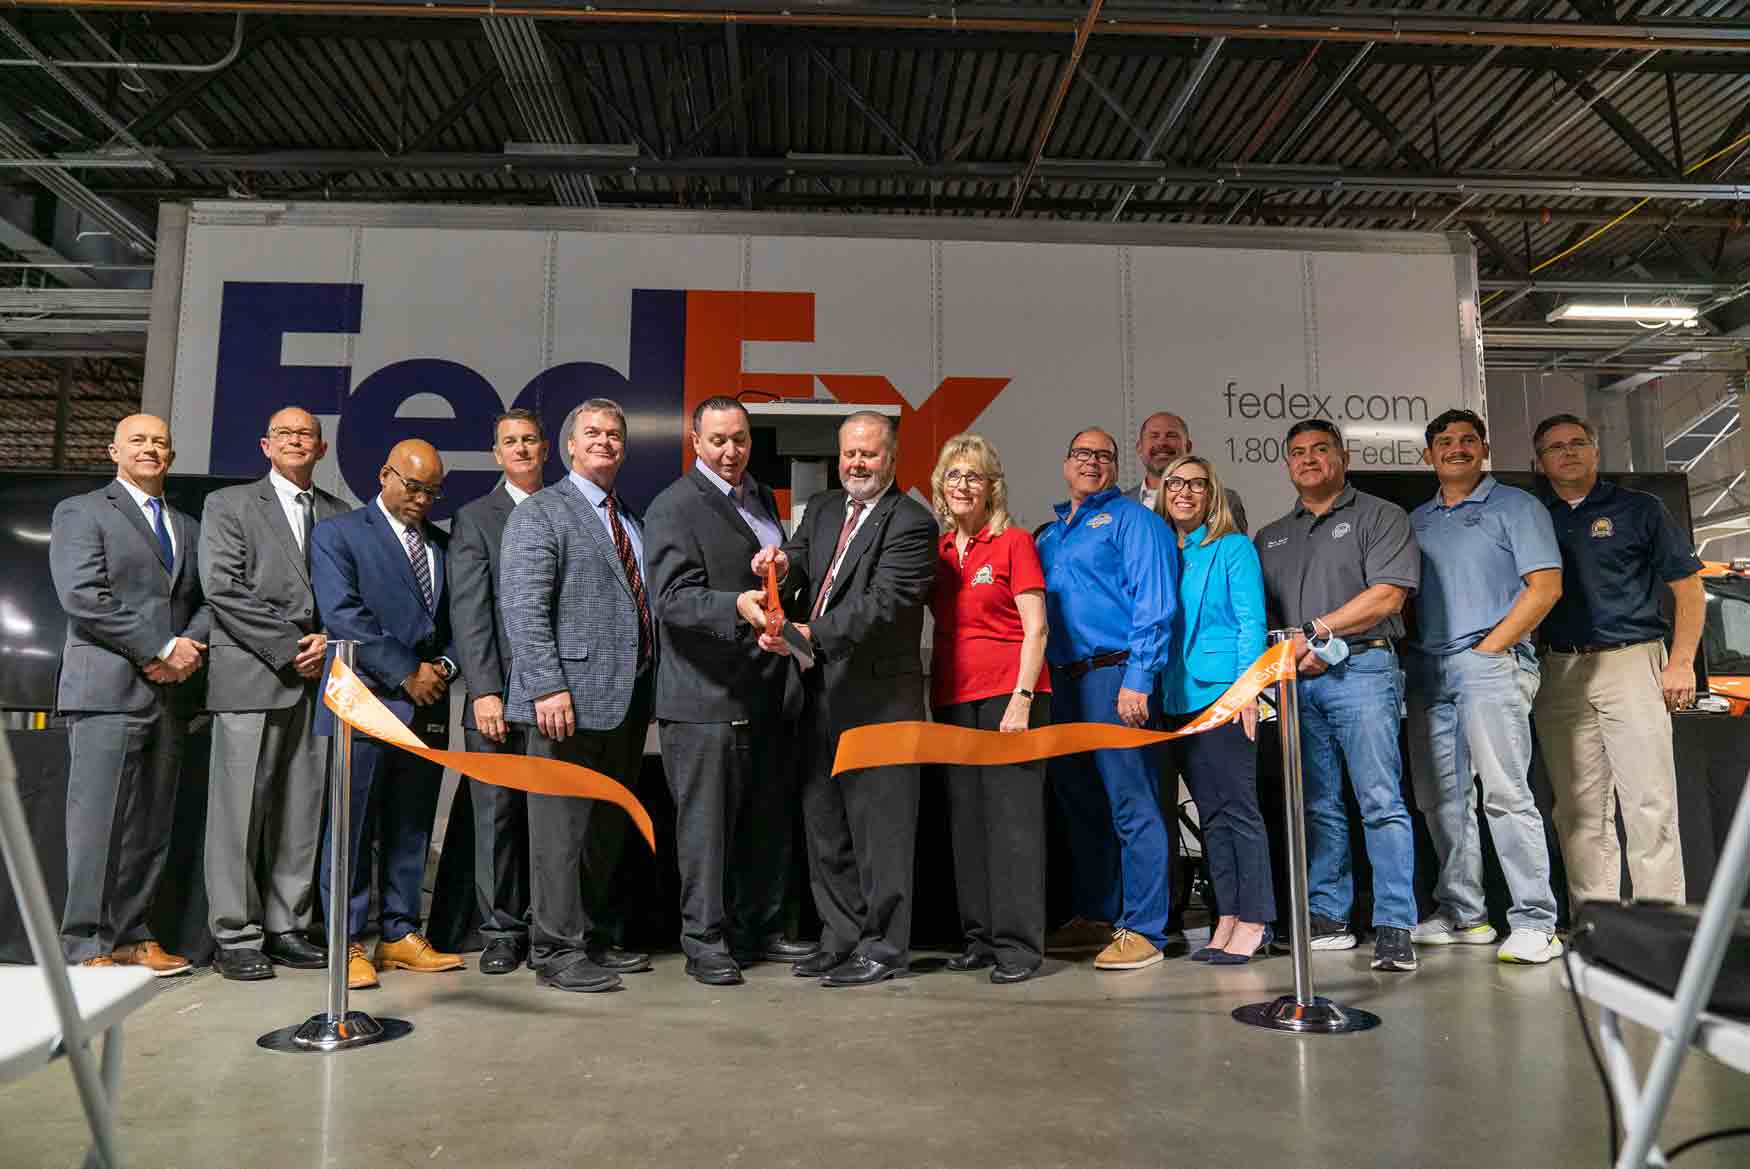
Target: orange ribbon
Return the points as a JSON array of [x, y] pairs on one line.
[[354, 704], [889, 744]]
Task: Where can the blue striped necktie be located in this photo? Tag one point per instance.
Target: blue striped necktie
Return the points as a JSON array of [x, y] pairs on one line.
[[421, 570]]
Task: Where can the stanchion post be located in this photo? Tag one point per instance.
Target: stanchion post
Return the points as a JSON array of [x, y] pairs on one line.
[[337, 1028], [1303, 1012]]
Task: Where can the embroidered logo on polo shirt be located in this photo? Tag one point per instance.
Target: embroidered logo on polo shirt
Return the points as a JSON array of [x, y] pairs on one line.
[[1276, 543], [984, 576], [1100, 520], [1341, 530], [1602, 528]]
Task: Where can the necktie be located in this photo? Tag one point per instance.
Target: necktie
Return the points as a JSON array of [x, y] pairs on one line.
[[421, 570], [166, 551], [851, 514], [634, 579], [306, 521]]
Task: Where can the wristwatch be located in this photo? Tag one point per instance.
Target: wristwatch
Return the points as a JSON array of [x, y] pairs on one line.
[[1311, 630], [1023, 692], [447, 668]]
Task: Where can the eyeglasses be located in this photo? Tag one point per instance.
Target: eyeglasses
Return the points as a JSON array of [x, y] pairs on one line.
[[1573, 444], [286, 434], [958, 478], [1194, 486], [1082, 454], [415, 487]]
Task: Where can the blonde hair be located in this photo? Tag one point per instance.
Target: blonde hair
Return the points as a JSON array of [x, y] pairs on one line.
[[976, 450], [1217, 516]]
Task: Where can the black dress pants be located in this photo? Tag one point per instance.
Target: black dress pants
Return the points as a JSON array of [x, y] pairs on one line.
[[1221, 769], [996, 818], [733, 789], [501, 842], [572, 838], [861, 830]]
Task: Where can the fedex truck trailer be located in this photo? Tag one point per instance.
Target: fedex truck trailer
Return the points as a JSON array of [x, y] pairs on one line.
[[394, 321]]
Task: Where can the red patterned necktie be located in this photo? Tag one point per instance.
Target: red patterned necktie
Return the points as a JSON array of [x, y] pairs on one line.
[[635, 579], [851, 513]]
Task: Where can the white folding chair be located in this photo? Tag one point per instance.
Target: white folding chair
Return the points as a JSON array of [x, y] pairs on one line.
[[47, 1010], [1681, 1018]]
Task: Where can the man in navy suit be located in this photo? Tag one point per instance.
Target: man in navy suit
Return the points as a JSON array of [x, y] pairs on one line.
[[378, 573]]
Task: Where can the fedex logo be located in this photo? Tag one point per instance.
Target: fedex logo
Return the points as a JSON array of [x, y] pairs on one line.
[[685, 346]]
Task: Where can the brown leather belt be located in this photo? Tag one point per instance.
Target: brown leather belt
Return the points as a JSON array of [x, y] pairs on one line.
[[1371, 643], [1594, 648], [1099, 661]]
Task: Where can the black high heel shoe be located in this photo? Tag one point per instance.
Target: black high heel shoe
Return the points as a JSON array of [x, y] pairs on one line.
[[1224, 958]]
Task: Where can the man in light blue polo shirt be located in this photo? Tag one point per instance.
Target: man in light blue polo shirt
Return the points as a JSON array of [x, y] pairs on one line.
[[1491, 570]]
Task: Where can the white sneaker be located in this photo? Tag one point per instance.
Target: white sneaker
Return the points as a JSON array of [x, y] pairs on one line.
[[1529, 947], [1441, 930]]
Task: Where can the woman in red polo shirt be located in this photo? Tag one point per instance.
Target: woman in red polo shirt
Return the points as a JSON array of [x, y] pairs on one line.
[[988, 672]]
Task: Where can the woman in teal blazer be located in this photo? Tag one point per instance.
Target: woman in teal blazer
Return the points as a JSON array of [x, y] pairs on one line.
[[1217, 632]]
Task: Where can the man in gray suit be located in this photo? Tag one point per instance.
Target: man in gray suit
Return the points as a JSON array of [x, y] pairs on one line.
[[583, 661], [721, 702], [501, 824], [1164, 437], [264, 801], [123, 562]]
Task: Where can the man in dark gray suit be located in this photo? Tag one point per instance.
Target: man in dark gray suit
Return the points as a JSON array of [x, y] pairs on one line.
[[501, 823], [264, 801], [123, 562], [857, 574], [583, 661], [1164, 437], [720, 703]]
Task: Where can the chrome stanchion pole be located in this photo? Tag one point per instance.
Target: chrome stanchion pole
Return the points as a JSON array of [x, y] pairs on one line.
[[337, 1028], [1303, 1012]]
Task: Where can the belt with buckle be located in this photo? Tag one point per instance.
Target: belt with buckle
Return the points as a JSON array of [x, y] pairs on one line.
[[1371, 643], [1099, 661], [1598, 647]]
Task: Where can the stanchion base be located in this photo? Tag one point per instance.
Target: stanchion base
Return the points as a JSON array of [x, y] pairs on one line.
[[1319, 1017], [324, 1033]]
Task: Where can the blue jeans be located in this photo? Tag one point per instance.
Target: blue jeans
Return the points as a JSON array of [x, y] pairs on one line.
[[1470, 713], [1349, 715], [1111, 807]]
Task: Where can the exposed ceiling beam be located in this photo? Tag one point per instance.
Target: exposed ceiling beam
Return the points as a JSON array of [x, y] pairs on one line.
[[178, 99], [1613, 117]]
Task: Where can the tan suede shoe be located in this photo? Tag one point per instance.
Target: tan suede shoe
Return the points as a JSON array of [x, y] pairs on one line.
[[1128, 951], [360, 974], [413, 952], [153, 957]]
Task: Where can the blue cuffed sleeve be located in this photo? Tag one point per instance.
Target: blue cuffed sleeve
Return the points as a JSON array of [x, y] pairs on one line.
[[1151, 565]]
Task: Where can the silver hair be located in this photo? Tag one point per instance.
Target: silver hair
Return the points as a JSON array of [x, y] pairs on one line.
[[594, 406]]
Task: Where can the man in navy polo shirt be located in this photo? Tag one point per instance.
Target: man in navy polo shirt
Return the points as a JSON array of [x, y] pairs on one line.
[[1112, 585], [1490, 571], [1603, 714]]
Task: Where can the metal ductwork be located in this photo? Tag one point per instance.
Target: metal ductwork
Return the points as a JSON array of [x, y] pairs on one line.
[[541, 98]]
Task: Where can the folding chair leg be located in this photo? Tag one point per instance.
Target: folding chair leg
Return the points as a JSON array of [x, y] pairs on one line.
[[99, 1102], [1620, 1071]]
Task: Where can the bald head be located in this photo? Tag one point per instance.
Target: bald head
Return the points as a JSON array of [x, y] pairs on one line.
[[411, 479], [142, 452], [293, 444]]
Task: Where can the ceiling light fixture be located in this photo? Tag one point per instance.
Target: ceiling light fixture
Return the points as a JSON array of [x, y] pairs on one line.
[[1670, 314]]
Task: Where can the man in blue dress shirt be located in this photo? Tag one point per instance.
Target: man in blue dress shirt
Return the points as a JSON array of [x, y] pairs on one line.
[[1491, 570], [1112, 584]]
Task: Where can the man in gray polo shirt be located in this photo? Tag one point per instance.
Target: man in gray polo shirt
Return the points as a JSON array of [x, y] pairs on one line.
[[1340, 566], [1491, 570]]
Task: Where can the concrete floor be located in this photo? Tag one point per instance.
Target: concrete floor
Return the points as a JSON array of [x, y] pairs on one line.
[[1476, 1063]]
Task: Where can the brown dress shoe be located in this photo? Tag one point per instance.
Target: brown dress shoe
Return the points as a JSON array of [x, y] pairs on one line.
[[413, 952], [360, 974], [153, 957], [100, 960]]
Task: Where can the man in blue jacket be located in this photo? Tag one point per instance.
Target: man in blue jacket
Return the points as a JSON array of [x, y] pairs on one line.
[[378, 574], [1111, 579]]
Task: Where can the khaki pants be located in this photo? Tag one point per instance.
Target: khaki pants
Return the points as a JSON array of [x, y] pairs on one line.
[[1606, 737]]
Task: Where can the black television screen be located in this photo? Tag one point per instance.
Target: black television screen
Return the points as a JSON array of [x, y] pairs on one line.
[[1411, 489], [33, 628]]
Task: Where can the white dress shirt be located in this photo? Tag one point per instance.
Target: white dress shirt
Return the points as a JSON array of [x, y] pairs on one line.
[[140, 498], [287, 493], [400, 530], [517, 494], [832, 573]]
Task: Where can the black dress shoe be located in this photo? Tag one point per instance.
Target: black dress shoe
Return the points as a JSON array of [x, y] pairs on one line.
[[242, 965], [782, 949], [971, 960], [620, 961], [575, 972], [818, 963], [294, 950], [715, 970], [1006, 973], [502, 955], [859, 970]]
